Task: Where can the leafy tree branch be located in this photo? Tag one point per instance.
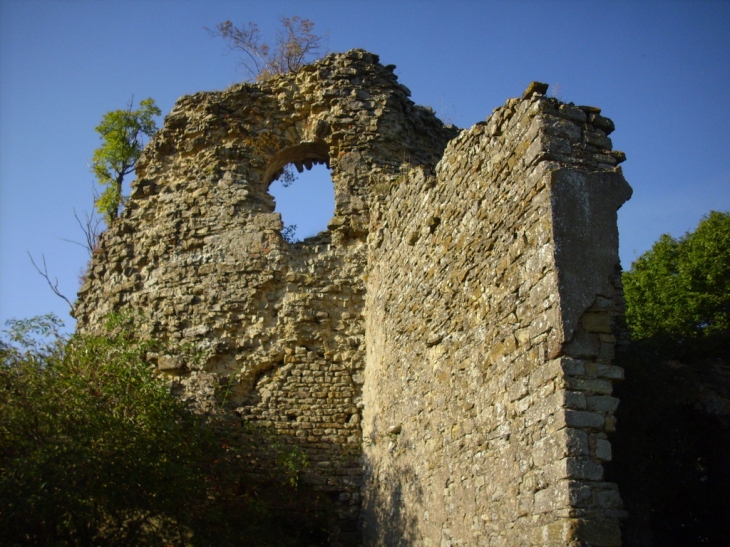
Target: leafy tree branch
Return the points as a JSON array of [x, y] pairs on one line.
[[122, 133], [678, 292]]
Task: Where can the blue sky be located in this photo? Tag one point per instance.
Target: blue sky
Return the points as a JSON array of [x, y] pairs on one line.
[[660, 70]]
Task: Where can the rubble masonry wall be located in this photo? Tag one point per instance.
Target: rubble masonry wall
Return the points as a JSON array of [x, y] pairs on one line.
[[489, 310], [442, 353]]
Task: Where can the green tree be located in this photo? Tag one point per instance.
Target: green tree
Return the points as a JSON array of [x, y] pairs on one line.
[[678, 292], [294, 45], [122, 133]]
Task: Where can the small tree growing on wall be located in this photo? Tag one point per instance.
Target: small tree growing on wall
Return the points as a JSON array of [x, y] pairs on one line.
[[295, 44], [121, 132]]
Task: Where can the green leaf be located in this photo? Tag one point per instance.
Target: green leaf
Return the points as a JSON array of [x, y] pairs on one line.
[[121, 133], [678, 292]]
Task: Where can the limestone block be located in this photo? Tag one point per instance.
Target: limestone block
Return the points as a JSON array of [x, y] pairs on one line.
[[602, 403], [603, 450], [584, 419], [584, 223], [170, 363]]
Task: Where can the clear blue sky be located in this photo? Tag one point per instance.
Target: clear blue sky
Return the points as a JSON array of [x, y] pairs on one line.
[[660, 70]]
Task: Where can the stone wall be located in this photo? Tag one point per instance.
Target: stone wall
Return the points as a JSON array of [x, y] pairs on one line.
[[198, 252], [489, 316], [450, 335]]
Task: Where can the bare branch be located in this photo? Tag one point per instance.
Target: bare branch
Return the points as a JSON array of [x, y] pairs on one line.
[[74, 242], [52, 284], [293, 46], [246, 40], [91, 226]]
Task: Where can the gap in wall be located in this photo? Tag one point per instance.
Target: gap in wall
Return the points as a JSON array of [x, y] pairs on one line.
[[307, 203]]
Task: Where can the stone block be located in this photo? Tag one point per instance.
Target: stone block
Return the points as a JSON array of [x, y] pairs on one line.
[[601, 370], [577, 418], [597, 139], [584, 345], [596, 322], [590, 385], [577, 468], [580, 494], [599, 532], [575, 400], [558, 533], [552, 498], [605, 124], [602, 403], [603, 450], [609, 499], [607, 352], [573, 367], [573, 113], [562, 128], [558, 445], [170, 363]]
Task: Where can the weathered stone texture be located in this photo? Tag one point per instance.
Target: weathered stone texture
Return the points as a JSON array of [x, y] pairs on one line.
[[443, 351], [489, 319]]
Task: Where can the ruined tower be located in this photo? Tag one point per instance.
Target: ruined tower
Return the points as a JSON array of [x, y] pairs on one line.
[[442, 352]]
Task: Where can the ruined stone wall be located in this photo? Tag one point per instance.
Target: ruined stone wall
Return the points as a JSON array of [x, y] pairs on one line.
[[489, 316], [449, 335], [198, 252]]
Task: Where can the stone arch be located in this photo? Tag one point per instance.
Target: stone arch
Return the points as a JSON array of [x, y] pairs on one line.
[[199, 251], [307, 207], [302, 156]]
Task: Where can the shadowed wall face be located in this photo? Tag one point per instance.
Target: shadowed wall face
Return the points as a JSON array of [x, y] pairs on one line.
[[442, 352]]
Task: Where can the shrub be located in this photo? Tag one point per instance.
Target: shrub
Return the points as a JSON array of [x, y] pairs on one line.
[[294, 45], [95, 450], [93, 447]]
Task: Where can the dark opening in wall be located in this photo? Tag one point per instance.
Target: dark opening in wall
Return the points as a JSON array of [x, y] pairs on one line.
[[307, 203]]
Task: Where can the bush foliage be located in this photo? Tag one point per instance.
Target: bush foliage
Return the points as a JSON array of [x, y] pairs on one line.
[[95, 450], [671, 463]]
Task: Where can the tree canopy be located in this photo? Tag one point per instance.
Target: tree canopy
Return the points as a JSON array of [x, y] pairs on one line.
[[678, 292], [121, 133]]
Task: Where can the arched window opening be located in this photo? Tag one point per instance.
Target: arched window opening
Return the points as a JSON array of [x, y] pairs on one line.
[[306, 200]]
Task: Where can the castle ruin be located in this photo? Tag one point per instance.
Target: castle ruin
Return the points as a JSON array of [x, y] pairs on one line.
[[443, 351]]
